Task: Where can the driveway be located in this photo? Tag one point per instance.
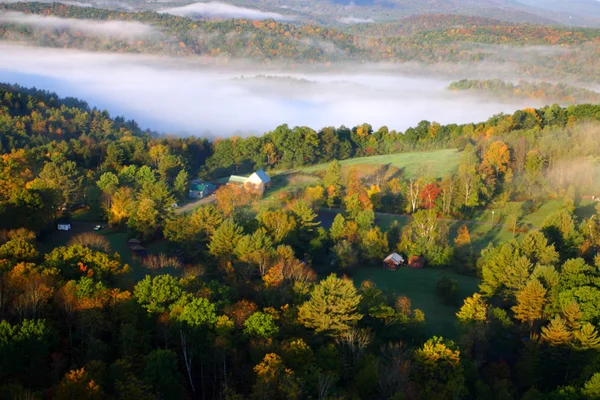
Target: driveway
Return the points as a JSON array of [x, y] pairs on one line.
[[195, 204]]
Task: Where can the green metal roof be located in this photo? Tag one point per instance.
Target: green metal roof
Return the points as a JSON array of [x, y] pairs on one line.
[[237, 179], [201, 187]]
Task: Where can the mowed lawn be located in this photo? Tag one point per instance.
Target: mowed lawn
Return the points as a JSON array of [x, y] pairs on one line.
[[419, 286], [437, 163], [118, 244]]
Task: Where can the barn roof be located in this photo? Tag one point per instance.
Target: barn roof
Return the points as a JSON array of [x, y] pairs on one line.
[[259, 176]]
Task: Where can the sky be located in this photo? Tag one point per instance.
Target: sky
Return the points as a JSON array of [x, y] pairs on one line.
[[184, 97]]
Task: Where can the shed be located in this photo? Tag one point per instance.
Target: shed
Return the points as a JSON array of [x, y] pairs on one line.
[[416, 262], [64, 227], [138, 250], [134, 242], [393, 261]]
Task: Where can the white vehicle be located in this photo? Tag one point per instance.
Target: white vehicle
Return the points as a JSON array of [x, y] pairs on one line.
[[64, 227]]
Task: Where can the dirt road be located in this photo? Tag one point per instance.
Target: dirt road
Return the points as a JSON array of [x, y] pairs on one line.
[[195, 204]]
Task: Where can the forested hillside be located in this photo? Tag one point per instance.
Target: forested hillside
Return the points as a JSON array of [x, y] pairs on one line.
[[253, 297], [550, 93], [427, 39]]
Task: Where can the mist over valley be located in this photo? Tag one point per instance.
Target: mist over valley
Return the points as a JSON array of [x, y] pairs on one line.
[[167, 95]]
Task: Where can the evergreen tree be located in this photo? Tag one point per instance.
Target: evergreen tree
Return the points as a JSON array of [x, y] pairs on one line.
[[333, 182], [556, 333], [224, 241], [180, 186], [530, 303], [332, 307]]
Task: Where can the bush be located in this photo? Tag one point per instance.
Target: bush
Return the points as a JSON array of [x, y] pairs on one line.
[[447, 290]]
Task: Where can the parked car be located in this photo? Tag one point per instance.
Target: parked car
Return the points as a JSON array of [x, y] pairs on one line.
[[98, 227]]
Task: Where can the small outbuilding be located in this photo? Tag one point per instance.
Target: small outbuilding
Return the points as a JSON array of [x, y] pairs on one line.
[[416, 261], [393, 261], [138, 250], [134, 242], [64, 227]]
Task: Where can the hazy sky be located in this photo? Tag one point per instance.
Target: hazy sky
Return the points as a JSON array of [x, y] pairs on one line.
[[182, 96]]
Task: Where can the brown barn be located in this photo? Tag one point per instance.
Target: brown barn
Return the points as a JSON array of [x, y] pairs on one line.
[[416, 262], [393, 261]]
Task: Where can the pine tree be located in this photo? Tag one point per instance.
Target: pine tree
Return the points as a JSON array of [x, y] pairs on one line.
[[591, 389], [333, 182], [338, 228], [306, 216], [332, 307], [530, 303], [224, 241], [572, 316], [556, 333], [180, 186], [587, 338]]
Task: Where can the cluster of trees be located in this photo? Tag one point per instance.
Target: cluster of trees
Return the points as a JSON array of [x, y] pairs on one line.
[[58, 154], [408, 26], [551, 93], [545, 295]]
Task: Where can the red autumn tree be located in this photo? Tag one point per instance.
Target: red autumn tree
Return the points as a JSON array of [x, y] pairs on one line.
[[429, 195]]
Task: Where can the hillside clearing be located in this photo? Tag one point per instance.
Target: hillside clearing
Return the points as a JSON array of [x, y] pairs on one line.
[[419, 286], [436, 163]]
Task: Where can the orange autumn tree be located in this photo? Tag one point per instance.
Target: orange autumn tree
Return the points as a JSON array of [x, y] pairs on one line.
[[497, 157], [463, 237], [230, 198], [76, 384]]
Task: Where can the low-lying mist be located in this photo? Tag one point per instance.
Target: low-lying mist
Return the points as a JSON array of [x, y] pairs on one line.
[[215, 9], [121, 29], [183, 96]]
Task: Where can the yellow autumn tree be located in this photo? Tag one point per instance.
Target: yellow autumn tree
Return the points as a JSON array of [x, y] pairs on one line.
[[474, 309]]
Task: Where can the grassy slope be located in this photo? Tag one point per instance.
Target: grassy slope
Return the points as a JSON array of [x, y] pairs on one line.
[[438, 163], [419, 286], [441, 162]]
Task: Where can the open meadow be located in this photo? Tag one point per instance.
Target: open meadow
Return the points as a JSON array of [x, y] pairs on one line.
[[419, 286]]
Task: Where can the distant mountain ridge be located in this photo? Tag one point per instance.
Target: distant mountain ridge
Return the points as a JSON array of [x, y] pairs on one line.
[[574, 12]]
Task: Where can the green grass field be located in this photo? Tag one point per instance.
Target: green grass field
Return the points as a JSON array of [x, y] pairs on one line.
[[438, 162], [419, 286]]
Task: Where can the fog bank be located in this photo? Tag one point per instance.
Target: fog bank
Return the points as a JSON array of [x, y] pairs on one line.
[[216, 9], [123, 29], [182, 96]]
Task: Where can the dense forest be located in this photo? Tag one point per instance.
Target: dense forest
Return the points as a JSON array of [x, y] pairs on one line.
[[253, 298], [428, 39], [547, 92]]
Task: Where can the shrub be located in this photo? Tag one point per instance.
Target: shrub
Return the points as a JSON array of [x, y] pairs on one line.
[[447, 290]]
